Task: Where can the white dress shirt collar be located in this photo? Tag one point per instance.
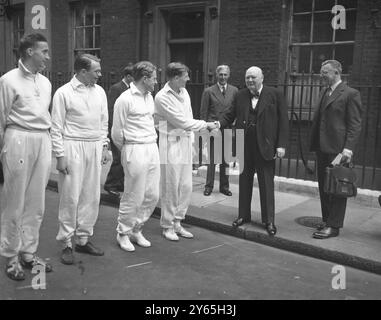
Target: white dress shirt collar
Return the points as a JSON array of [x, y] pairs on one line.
[[335, 85], [222, 86]]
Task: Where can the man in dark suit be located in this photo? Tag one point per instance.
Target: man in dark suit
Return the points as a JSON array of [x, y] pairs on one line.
[[261, 111], [335, 129], [215, 100], [114, 184]]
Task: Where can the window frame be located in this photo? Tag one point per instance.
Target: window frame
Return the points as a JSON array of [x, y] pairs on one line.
[[292, 65], [94, 6], [18, 11]]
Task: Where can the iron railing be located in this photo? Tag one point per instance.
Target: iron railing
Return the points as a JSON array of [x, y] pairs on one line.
[[301, 94]]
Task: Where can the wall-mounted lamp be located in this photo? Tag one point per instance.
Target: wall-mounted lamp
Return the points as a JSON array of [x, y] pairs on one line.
[[374, 12], [148, 15], [213, 11]]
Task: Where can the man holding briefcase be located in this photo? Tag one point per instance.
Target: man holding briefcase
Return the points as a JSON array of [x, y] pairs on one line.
[[335, 129]]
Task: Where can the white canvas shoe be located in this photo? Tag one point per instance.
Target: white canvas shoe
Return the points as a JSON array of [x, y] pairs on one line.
[[170, 234], [179, 229], [125, 243], [138, 238]]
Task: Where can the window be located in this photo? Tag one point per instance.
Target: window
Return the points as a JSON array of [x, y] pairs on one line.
[[18, 13], [186, 40], [87, 28], [313, 39]]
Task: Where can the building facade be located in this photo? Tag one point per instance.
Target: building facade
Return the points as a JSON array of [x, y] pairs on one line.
[[288, 39]]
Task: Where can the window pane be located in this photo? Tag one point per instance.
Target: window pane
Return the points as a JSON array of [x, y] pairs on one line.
[[348, 3], [96, 53], [89, 38], [302, 58], [301, 28], [15, 39], [320, 54], [97, 43], [344, 54], [97, 18], [324, 4], [21, 21], [302, 5], [187, 25], [79, 38], [323, 31], [191, 54], [349, 32], [89, 17], [78, 17]]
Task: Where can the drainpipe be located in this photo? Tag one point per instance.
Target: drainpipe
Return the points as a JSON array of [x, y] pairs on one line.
[[139, 28]]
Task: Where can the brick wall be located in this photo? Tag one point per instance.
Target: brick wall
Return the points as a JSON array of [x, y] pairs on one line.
[[249, 35], [60, 35], [120, 20], [367, 53]]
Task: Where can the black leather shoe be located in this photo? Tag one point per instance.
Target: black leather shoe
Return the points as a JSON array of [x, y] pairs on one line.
[[327, 232], [89, 248], [271, 229], [67, 256], [379, 200], [226, 192], [321, 226], [207, 192], [239, 222]]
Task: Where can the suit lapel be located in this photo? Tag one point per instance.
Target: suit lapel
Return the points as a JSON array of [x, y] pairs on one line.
[[218, 94], [229, 92], [335, 94], [262, 100], [247, 103], [319, 107]]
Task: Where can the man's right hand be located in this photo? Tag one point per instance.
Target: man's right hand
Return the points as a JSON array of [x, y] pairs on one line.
[[212, 125], [62, 166]]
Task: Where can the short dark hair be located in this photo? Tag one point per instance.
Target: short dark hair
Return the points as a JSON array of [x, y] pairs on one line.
[[29, 41], [83, 61], [334, 64], [143, 69], [129, 70], [176, 69]]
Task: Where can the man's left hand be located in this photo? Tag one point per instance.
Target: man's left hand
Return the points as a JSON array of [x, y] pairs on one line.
[[106, 156], [280, 152]]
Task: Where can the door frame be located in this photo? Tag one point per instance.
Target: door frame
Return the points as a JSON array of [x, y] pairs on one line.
[[158, 49]]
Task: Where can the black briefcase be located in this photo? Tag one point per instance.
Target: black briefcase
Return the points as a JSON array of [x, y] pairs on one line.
[[340, 181]]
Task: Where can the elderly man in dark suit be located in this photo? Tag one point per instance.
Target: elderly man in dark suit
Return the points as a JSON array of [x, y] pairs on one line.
[[335, 129], [261, 111], [114, 184], [215, 100]]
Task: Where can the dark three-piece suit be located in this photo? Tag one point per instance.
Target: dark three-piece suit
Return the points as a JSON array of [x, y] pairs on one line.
[[266, 129]]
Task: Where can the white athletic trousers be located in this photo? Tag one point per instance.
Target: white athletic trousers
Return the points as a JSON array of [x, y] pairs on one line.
[[79, 191], [26, 157], [141, 165], [176, 181]]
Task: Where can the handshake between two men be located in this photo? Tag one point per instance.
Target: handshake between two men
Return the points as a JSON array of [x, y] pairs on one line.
[[212, 125]]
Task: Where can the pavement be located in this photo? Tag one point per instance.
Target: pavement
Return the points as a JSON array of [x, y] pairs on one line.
[[297, 207], [212, 266]]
